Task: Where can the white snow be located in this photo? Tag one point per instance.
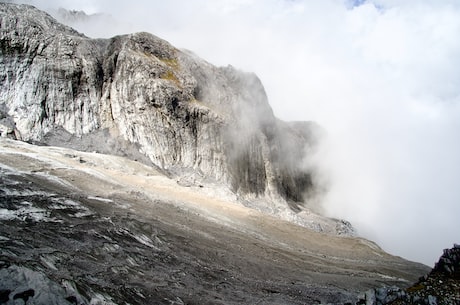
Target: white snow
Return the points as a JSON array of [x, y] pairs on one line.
[[27, 212], [143, 239], [100, 199]]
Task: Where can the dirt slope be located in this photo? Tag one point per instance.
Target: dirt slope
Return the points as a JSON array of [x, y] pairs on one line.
[[101, 229]]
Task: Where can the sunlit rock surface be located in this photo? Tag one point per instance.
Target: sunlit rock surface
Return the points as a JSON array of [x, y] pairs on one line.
[[185, 115]]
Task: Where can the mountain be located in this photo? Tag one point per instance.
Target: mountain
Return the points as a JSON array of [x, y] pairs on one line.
[[138, 96], [133, 172]]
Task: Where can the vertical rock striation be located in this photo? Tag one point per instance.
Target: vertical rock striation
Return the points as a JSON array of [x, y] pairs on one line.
[[138, 91]]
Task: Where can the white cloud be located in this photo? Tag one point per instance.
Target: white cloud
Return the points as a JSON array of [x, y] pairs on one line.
[[380, 75]]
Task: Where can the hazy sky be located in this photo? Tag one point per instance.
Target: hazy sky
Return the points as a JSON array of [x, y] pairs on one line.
[[381, 76]]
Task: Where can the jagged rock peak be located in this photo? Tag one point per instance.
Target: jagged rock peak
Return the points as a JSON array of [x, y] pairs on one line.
[[137, 95], [27, 19]]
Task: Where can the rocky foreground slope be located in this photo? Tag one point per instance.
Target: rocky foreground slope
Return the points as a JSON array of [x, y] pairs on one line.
[[88, 228]]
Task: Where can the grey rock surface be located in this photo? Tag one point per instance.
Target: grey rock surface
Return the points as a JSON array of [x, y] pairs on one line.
[[179, 111], [89, 228]]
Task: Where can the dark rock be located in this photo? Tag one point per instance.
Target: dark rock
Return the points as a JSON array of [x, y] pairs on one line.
[[440, 286], [386, 295], [25, 295], [4, 295], [72, 299]]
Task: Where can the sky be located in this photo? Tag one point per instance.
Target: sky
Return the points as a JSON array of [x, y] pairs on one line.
[[382, 77]]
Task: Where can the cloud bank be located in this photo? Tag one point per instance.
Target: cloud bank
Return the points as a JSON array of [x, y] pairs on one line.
[[381, 76]]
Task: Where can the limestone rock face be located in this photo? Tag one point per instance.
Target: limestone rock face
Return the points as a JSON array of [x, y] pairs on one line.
[[186, 115]]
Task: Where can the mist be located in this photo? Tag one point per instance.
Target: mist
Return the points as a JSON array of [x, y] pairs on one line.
[[381, 77]]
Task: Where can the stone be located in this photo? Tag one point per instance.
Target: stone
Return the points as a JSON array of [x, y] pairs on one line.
[[432, 300], [370, 297]]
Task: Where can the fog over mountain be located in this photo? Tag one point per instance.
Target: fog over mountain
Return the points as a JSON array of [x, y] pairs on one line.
[[381, 77], [151, 176]]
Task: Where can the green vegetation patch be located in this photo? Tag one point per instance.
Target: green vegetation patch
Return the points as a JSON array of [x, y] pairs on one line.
[[169, 75], [171, 62], [173, 67]]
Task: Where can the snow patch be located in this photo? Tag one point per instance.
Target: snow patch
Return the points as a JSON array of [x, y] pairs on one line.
[[83, 214], [6, 214], [49, 261], [100, 299], [27, 212], [100, 199], [143, 239]]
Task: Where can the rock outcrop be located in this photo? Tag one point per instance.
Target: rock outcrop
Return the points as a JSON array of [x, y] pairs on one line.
[[440, 286], [137, 95]]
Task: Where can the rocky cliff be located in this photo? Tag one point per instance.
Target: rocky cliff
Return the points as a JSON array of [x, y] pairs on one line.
[[139, 96]]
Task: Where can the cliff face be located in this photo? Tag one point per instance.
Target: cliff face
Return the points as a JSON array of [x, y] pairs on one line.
[[137, 93]]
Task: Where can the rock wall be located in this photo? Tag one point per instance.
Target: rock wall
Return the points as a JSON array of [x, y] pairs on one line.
[[186, 115]]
